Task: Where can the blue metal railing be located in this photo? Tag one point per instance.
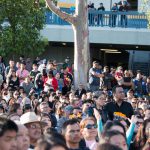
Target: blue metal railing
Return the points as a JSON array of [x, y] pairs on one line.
[[128, 19]]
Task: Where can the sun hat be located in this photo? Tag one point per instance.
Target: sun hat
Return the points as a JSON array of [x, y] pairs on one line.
[[29, 117]]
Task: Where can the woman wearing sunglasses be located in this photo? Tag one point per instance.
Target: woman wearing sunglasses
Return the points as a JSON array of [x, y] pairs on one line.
[[89, 132]]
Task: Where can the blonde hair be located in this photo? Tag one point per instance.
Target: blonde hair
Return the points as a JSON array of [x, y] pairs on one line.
[[84, 121]]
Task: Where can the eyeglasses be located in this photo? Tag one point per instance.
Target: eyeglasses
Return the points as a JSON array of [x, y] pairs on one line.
[[139, 123], [33, 126], [90, 126]]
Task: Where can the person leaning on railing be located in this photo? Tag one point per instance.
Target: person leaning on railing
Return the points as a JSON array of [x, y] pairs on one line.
[[100, 16], [113, 16], [123, 8]]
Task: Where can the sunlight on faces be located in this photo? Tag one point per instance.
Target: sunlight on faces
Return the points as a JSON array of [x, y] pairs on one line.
[[117, 128], [119, 140], [101, 100], [47, 121], [44, 108], [73, 134], [120, 95], [23, 138], [8, 141], [34, 130], [147, 130], [89, 133]]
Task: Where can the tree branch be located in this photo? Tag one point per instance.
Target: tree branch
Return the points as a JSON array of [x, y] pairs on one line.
[[63, 15]]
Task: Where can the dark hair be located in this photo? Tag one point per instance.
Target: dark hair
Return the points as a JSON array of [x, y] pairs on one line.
[[107, 135], [108, 146], [67, 123], [43, 144], [110, 124], [51, 73], [78, 108], [115, 87], [7, 125], [2, 59], [21, 88], [45, 115], [13, 108], [1, 107], [27, 107], [54, 139], [54, 105], [50, 130], [23, 62]]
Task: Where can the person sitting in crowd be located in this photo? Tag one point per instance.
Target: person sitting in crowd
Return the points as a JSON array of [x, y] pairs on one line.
[[114, 137], [22, 73], [71, 132], [22, 137], [89, 132], [30, 120], [34, 72], [8, 134], [119, 105], [12, 80]]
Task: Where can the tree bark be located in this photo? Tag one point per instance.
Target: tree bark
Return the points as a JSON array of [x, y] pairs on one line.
[[81, 39], [81, 44]]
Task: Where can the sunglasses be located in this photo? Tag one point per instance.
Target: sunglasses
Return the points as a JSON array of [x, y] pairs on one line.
[[139, 123], [90, 126]]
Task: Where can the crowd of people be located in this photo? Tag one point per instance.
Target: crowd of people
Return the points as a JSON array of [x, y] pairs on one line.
[[40, 109], [121, 6]]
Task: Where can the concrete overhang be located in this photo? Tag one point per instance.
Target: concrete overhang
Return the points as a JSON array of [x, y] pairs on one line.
[[97, 35]]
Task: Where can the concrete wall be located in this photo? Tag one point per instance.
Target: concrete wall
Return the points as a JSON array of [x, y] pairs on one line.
[[99, 35]]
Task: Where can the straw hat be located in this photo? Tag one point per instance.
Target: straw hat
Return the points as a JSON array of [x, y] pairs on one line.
[[29, 117]]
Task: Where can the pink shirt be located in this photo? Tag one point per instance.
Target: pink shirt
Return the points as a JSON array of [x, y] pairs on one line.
[[22, 74]]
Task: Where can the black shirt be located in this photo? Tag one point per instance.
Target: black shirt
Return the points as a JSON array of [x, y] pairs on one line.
[[127, 80], [101, 8], [125, 108]]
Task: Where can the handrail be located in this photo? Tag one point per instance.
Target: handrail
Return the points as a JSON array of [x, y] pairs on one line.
[[129, 19]]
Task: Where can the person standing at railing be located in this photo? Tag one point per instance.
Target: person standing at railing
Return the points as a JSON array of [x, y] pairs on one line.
[[113, 16], [91, 16], [100, 16], [123, 8]]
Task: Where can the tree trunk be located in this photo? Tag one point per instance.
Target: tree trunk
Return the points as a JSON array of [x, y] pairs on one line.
[[81, 44], [81, 39]]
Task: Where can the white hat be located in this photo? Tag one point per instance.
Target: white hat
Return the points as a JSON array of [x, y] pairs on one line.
[[29, 117]]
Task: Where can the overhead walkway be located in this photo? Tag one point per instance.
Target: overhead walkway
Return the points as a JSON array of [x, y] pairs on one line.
[[135, 32]]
